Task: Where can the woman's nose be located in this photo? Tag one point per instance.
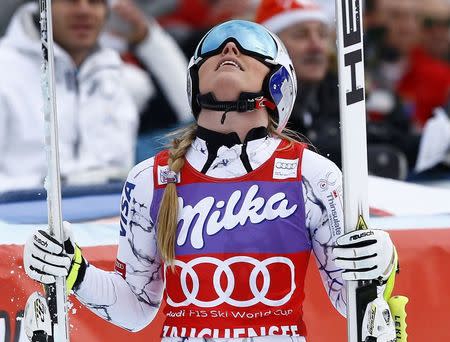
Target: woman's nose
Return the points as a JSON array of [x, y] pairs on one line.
[[230, 48]]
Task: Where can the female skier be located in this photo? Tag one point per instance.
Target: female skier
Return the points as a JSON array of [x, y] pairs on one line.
[[222, 225]]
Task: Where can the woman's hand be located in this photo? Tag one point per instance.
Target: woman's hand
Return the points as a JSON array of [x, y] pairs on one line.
[[365, 255], [136, 23], [45, 258]]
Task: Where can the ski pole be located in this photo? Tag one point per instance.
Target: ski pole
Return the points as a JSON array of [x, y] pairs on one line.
[[55, 293]]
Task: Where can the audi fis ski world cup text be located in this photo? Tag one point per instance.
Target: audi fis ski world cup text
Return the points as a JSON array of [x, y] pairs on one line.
[[228, 314]]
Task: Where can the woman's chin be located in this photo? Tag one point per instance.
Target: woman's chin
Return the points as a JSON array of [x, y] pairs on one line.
[[228, 88]]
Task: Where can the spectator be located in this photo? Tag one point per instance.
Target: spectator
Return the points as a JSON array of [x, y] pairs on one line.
[[421, 81], [388, 121], [329, 8], [97, 117], [436, 29], [402, 90], [156, 8], [193, 18], [8, 8], [374, 30], [142, 41], [304, 28]]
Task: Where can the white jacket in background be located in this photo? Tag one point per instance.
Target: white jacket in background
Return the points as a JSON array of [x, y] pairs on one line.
[[97, 117], [164, 60]]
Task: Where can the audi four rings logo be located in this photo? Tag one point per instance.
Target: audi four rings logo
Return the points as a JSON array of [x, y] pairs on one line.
[[286, 166], [223, 295]]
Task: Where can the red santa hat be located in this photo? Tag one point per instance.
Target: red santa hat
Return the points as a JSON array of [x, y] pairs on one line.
[[276, 15]]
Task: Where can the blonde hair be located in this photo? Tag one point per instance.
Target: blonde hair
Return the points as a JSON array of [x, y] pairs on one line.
[[167, 220], [168, 210]]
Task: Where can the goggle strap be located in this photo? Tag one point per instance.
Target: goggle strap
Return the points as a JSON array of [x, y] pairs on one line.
[[246, 102], [264, 102]]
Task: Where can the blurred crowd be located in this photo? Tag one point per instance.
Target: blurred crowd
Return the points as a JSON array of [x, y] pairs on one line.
[[120, 73]]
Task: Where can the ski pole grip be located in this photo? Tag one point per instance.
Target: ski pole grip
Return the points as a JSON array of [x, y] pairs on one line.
[[397, 304]]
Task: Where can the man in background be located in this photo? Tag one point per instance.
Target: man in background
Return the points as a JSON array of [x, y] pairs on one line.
[[436, 28], [96, 114], [304, 27], [404, 66]]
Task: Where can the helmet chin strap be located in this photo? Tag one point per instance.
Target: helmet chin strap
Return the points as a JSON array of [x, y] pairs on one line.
[[247, 102]]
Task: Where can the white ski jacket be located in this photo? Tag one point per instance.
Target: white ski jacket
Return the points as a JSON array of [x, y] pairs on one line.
[[97, 116]]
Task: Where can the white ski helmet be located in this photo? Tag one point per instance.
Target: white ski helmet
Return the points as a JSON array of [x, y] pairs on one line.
[[279, 86]]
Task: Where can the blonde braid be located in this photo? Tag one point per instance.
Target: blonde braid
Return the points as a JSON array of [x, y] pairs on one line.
[[168, 211]]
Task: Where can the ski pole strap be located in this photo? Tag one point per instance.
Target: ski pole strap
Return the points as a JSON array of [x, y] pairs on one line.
[[74, 271], [390, 282]]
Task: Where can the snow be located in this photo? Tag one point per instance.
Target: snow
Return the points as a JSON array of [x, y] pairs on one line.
[[407, 199], [86, 234]]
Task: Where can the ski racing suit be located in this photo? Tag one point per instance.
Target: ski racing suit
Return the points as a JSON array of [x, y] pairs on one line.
[[246, 228]]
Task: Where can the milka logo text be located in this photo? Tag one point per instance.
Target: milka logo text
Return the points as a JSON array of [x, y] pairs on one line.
[[212, 216]]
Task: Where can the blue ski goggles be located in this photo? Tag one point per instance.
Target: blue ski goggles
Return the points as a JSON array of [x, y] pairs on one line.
[[251, 38]]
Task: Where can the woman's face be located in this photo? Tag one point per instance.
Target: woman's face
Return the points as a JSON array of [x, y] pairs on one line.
[[230, 72]]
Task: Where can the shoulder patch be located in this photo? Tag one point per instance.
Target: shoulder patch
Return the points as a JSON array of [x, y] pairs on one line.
[[165, 175], [285, 168]]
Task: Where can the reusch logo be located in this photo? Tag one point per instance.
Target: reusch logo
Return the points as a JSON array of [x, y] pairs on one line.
[[359, 236], [40, 242]]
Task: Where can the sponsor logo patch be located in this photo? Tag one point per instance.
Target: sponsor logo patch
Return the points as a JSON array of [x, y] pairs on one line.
[[165, 175], [333, 214], [361, 235], [221, 269], [40, 241], [125, 207], [328, 181], [210, 216], [120, 268], [285, 168]]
